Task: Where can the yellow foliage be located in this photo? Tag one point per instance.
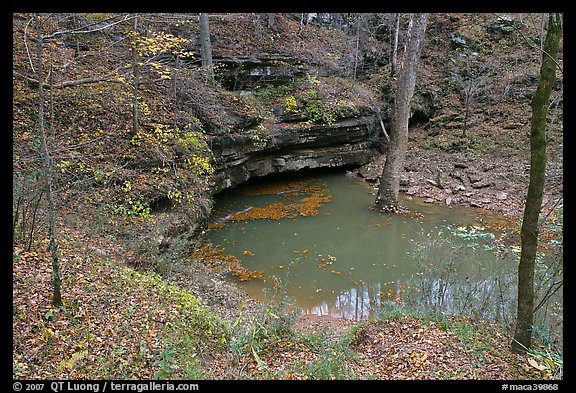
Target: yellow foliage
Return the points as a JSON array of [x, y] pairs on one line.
[[157, 42], [70, 364]]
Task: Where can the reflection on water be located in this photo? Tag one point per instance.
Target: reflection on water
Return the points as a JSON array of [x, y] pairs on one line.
[[338, 257], [362, 302]]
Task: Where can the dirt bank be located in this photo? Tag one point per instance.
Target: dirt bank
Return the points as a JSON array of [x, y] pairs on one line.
[[488, 180]]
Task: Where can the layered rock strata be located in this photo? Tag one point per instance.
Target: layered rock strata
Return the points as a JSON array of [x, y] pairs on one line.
[[289, 147]]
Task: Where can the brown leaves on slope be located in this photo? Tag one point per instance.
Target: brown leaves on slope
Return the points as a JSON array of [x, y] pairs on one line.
[[404, 348], [89, 336], [409, 348], [115, 322]]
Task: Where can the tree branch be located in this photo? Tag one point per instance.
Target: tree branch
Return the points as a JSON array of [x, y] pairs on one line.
[[78, 31], [382, 125], [105, 78], [549, 293]]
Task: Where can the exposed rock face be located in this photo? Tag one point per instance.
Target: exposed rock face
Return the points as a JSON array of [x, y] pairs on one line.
[[245, 72], [289, 147]]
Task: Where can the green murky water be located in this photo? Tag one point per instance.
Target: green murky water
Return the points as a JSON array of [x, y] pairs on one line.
[[348, 259]]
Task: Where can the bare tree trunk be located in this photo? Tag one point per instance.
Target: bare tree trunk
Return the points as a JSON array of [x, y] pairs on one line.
[[303, 19], [529, 231], [135, 82], [33, 223], [56, 279], [271, 22], [387, 199], [206, 48], [395, 45], [77, 47], [52, 129], [542, 30], [358, 20]]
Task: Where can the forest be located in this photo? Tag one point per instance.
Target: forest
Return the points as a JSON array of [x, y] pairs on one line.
[[287, 196]]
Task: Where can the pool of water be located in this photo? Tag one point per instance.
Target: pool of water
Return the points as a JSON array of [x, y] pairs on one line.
[[335, 255]]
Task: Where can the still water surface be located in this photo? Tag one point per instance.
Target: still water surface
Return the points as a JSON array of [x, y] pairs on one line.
[[346, 259]]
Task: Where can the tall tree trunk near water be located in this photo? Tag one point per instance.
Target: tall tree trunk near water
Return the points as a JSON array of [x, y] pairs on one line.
[[206, 47], [47, 159], [387, 198], [529, 232]]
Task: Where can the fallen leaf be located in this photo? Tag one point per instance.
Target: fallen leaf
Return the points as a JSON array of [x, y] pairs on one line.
[[536, 365]]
